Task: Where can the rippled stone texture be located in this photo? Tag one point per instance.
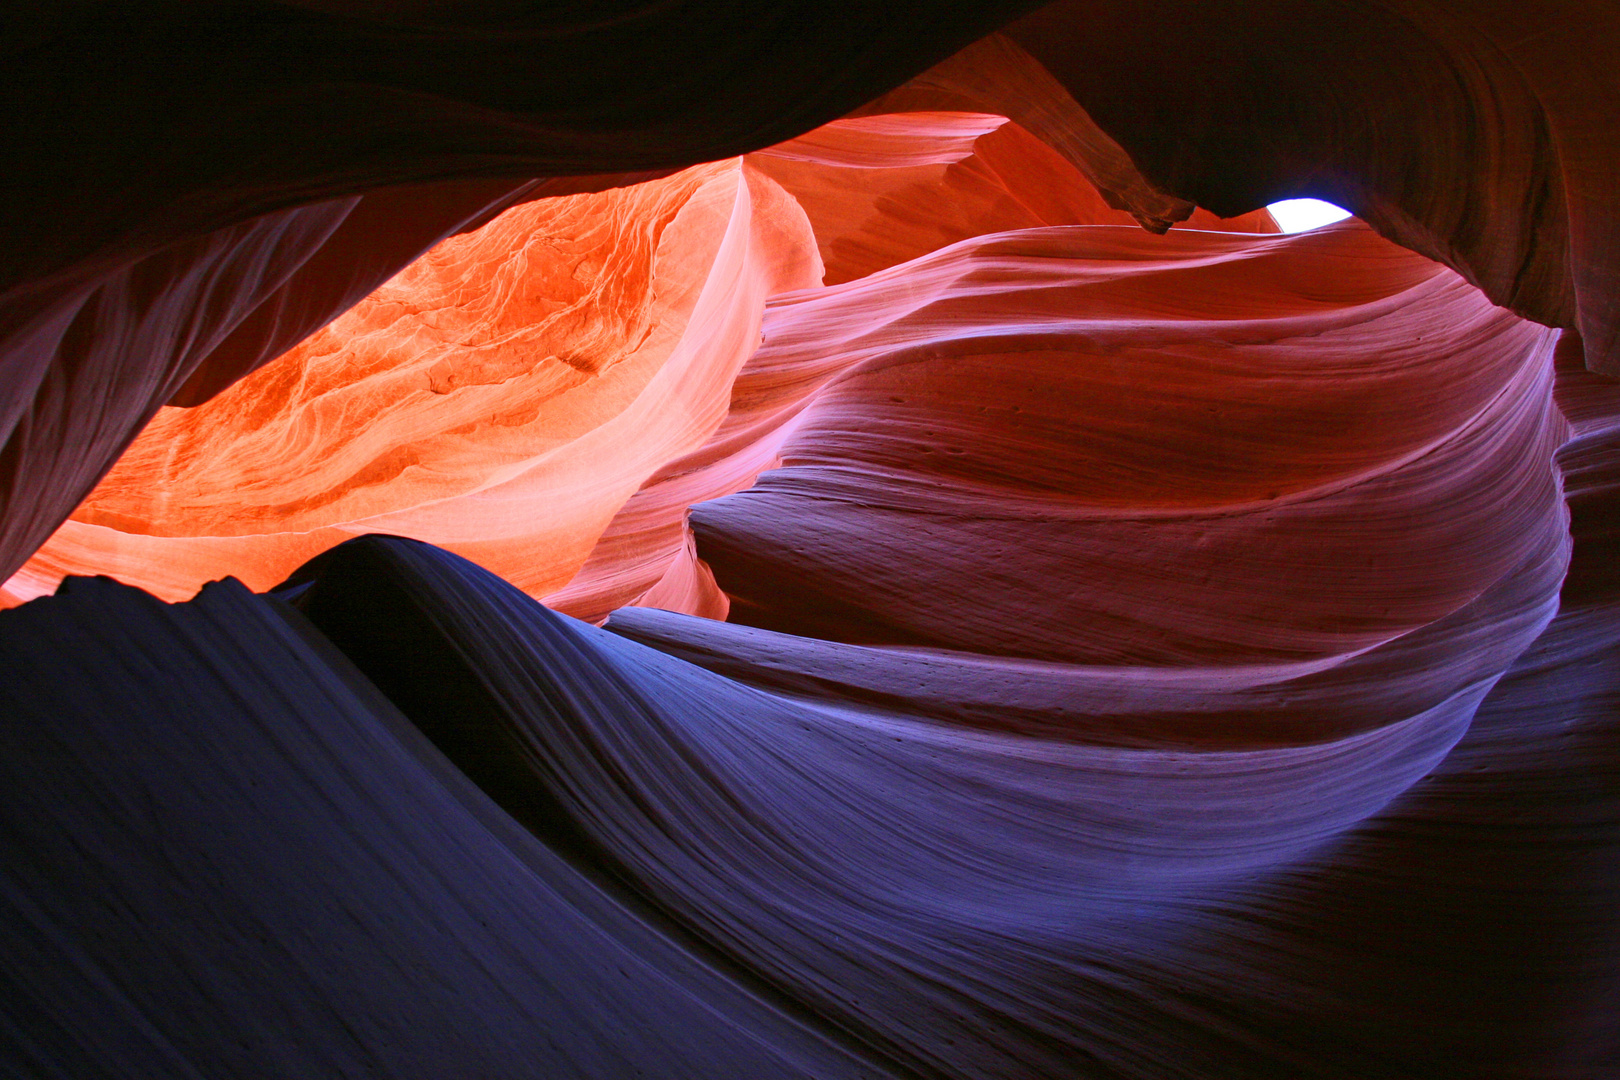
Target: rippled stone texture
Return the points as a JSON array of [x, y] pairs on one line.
[[502, 396], [1144, 655], [882, 189], [1154, 437], [878, 189]]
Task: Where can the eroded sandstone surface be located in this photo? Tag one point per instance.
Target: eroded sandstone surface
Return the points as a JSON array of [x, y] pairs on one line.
[[755, 540]]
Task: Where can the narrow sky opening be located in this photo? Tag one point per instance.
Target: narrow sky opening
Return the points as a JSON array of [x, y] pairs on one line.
[[1302, 215]]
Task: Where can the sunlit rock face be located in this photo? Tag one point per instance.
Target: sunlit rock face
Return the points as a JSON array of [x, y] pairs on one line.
[[1042, 628], [503, 396], [478, 399]]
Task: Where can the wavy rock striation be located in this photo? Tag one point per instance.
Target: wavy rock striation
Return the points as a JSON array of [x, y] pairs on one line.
[[1034, 645], [503, 396]]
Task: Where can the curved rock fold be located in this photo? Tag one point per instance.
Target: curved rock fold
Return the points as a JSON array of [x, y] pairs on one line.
[[735, 540]]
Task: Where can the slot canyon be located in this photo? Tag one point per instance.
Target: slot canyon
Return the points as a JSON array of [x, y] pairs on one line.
[[749, 541]]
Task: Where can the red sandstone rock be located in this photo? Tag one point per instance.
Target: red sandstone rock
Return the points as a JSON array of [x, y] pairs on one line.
[[1137, 423], [1167, 670], [503, 396], [1477, 134], [1062, 446], [88, 361], [878, 189], [882, 189], [997, 76]]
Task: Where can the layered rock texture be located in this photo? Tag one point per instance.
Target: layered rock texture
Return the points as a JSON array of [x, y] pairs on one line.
[[745, 540], [503, 396]]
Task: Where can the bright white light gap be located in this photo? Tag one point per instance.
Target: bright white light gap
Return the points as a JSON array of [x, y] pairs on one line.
[[1302, 215]]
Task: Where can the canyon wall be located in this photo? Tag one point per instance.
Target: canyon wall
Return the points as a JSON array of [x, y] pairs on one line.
[[745, 540]]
